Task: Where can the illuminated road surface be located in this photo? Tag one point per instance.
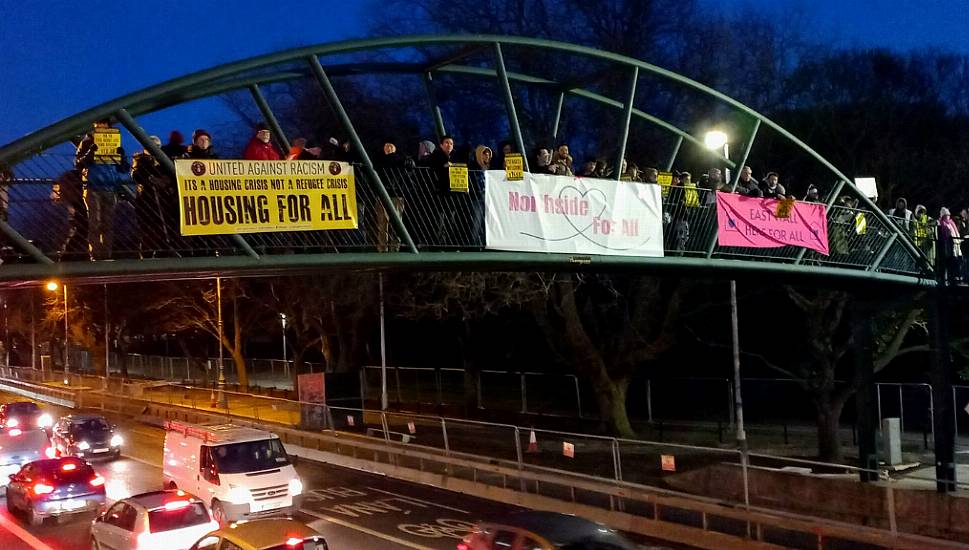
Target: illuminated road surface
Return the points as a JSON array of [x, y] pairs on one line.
[[353, 510]]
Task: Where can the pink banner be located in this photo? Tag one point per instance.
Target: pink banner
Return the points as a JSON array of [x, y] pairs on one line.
[[753, 222]]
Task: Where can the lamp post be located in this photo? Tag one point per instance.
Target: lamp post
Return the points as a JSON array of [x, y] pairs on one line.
[[218, 299], [52, 286], [282, 322], [718, 140]]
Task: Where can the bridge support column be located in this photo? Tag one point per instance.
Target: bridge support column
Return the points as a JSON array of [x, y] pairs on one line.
[[676, 151], [435, 108], [865, 402], [941, 377], [334, 101], [627, 116], [516, 131], [558, 119]]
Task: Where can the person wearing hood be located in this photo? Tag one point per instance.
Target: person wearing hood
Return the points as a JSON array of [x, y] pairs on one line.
[[812, 194], [505, 148], [424, 150], [482, 163], [174, 149], [949, 242], [901, 215], [201, 147], [260, 147]]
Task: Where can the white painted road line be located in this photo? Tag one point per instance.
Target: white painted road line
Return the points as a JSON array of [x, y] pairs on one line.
[[371, 532], [413, 499], [22, 534]]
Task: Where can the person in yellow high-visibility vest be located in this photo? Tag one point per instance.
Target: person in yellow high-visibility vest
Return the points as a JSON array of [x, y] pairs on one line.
[[861, 224], [923, 232]]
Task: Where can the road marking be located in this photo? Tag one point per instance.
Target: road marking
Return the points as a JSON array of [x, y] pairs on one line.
[[414, 499], [23, 534], [371, 532], [145, 462]]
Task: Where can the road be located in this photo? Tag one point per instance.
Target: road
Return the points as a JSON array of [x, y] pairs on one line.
[[353, 509]]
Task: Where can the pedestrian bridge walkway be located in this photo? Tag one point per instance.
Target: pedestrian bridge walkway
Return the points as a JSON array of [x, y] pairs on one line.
[[402, 220]]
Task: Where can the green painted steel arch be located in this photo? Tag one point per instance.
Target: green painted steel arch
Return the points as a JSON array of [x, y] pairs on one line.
[[278, 67]]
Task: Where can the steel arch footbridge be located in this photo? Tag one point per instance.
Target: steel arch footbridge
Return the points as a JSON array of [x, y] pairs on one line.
[[36, 227]]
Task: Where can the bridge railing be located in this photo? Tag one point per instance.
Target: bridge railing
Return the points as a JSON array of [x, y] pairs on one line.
[[49, 205]]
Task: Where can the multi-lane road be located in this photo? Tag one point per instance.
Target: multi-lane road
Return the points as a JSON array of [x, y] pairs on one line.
[[354, 510]]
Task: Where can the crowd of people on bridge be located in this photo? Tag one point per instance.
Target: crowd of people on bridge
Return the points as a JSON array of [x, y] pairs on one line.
[[92, 191]]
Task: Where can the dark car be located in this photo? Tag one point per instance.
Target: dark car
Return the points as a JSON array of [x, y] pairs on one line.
[[24, 415], [543, 531], [89, 436], [55, 487]]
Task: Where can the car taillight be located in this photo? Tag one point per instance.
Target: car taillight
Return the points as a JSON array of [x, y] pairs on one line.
[[462, 546], [98, 481], [42, 489], [68, 467], [50, 452], [176, 505]]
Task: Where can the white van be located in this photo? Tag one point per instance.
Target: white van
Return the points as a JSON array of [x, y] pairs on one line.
[[243, 473]]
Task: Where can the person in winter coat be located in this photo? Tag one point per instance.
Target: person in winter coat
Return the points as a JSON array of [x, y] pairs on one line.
[[105, 177], [174, 149], [394, 169], [561, 163], [950, 241], [150, 182], [201, 147], [260, 147], [901, 215]]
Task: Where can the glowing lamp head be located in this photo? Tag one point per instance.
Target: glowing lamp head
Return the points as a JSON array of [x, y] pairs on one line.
[[52, 286], [715, 139]]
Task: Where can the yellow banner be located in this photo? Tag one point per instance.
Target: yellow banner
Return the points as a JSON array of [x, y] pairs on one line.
[[108, 140], [514, 167], [219, 197], [458, 174]]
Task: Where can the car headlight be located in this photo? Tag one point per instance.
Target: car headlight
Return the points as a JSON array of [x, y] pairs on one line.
[[238, 495], [45, 421], [116, 440], [83, 445], [12, 422], [295, 486]]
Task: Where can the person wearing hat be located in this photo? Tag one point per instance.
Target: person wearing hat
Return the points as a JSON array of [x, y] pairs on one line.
[[260, 147], [201, 147]]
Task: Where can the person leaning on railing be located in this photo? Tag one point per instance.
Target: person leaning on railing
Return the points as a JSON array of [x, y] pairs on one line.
[[950, 241], [394, 168]]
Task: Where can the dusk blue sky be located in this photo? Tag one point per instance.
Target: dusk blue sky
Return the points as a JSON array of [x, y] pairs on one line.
[[58, 57]]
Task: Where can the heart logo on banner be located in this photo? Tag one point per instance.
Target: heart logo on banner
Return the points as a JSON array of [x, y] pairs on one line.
[[579, 195]]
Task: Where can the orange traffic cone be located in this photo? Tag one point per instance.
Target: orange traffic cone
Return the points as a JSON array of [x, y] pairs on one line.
[[532, 442]]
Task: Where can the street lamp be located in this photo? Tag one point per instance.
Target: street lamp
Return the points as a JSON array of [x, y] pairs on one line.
[[717, 140], [52, 286], [282, 321]]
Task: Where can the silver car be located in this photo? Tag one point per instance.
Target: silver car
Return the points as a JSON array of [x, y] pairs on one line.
[[169, 520]]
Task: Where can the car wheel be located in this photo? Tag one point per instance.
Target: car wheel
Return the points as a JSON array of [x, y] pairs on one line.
[[32, 518], [218, 514]]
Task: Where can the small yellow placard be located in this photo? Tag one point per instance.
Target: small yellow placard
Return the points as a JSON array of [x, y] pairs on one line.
[[514, 167], [108, 141], [665, 180], [458, 175]]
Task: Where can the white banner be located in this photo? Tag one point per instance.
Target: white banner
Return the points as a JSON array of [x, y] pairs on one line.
[[545, 213]]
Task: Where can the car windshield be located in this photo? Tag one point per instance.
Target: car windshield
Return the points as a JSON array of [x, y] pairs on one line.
[[251, 456], [161, 519], [22, 408], [90, 425]]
